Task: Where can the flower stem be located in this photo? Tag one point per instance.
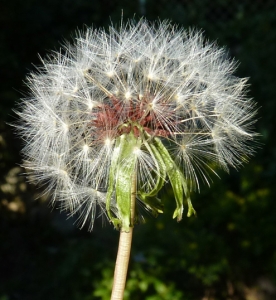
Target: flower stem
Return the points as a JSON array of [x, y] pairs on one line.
[[123, 253]]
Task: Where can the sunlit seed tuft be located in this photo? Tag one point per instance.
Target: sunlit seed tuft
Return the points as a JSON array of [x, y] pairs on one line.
[[65, 127], [137, 151], [85, 148], [90, 105], [108, 142], [110, 73], [127, 95]]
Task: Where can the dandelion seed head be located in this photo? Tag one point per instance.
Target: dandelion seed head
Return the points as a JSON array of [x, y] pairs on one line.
[[151, 97]]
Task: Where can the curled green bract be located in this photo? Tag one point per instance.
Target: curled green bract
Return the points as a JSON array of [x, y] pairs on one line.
[[121, 171], [123, 168]]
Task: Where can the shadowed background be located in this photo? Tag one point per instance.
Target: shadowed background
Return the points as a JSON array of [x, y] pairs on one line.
[[227, 252]]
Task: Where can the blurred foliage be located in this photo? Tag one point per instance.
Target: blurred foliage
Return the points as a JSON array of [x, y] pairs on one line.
[[227, 252]]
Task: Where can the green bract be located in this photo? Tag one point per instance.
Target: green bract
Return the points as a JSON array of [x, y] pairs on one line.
[[123, 168]]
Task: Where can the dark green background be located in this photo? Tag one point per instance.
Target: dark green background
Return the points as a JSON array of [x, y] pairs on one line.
[[227, 252]]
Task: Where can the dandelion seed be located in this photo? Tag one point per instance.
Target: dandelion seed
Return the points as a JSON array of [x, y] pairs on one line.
[[85, 148], [127, 95], [110, 73], [147, 99]]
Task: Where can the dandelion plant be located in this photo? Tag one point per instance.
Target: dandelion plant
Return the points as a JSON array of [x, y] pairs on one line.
[[117, 114]]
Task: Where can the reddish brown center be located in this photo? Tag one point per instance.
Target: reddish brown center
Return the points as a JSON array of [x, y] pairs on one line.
[[116, 118]]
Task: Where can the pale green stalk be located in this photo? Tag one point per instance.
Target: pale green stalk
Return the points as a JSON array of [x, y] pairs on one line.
[[123, 254]]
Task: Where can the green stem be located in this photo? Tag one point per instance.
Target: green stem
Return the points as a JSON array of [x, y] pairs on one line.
[[124, 248]]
